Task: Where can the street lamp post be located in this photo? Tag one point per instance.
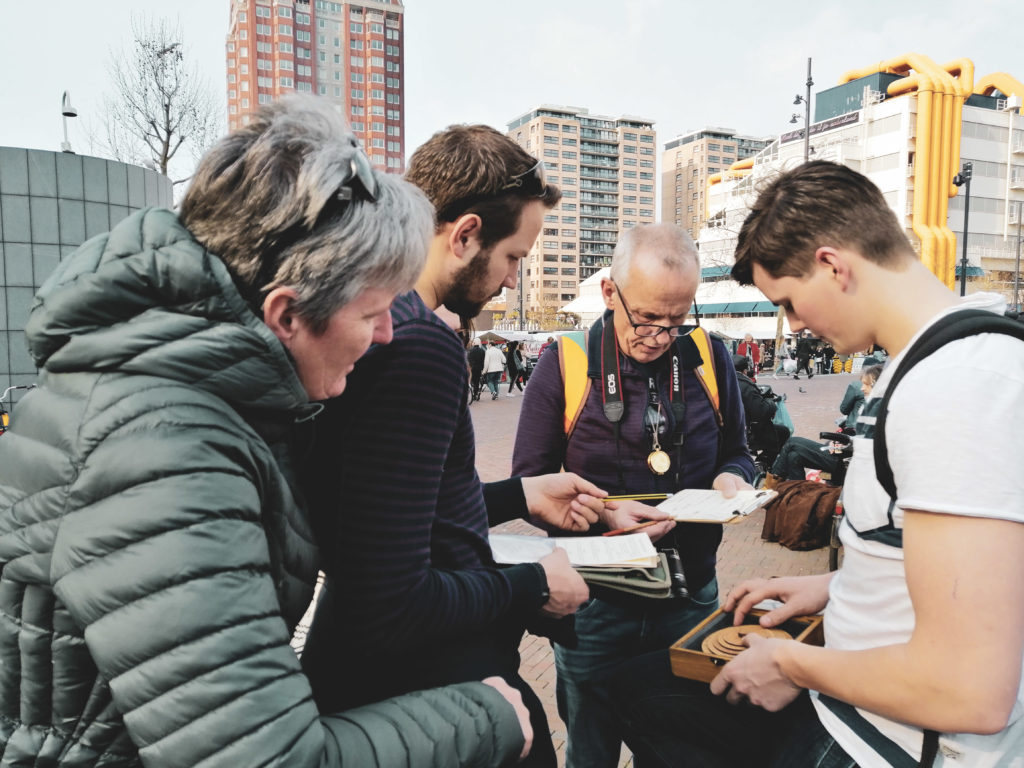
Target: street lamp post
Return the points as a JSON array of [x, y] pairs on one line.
[[806, 101], [1016, 269], [66, 111], [521, 289], [961, 179]]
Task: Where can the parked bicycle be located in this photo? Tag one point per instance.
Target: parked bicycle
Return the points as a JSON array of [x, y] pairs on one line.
[[5, 414]]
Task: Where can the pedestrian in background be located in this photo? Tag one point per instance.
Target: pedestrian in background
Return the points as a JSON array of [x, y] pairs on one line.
[[475, 357], [494, 364], [514, 367]]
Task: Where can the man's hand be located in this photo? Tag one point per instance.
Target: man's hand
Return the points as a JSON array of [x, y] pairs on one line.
[[564, 500], [800, 596], [625, 513], [513, 697], [756, 676], [728, 484], [566, 587]]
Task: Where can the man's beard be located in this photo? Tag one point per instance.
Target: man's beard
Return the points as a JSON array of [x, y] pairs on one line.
[[468, 284]]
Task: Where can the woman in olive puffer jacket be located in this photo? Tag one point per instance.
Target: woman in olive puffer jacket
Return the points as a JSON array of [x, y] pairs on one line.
[[154, 555]]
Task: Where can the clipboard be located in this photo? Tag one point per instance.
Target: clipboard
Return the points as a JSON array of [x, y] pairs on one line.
[[696, 505]]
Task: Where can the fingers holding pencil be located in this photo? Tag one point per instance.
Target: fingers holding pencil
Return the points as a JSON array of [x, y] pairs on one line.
[[628, 515]]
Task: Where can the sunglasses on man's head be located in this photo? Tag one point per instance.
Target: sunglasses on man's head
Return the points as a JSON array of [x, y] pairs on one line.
[[532, 181]]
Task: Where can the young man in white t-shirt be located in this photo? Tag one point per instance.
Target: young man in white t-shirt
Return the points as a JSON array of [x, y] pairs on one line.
[[924, 622]]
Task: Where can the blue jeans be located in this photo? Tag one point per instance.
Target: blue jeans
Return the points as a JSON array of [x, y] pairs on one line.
[[493, 379], [670, 722], [610, 634]]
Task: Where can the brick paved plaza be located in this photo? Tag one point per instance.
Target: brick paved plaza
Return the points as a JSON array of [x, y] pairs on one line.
[[813, 404]]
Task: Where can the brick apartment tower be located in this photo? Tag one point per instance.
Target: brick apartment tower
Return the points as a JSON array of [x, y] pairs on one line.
[[605, 169], [350, 53], [687, 162]]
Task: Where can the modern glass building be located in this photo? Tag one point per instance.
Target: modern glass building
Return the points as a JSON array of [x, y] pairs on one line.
[[50, 203]]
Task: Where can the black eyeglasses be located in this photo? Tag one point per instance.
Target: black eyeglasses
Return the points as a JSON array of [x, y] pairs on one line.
[[532, 181], [649, 330]]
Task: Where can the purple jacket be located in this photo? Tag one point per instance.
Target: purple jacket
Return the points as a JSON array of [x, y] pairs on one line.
[[541, 445]]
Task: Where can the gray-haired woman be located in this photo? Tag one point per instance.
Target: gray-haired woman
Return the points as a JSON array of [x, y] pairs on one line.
[[154, 554]]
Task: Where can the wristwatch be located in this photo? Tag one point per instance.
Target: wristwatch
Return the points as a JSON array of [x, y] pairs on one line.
[[545, 591]]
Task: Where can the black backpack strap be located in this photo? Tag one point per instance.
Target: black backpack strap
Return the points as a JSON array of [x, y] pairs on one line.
[[956, 325]]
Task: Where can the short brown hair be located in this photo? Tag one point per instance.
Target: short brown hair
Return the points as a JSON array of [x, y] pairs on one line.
[[818, 203], [465, 169]]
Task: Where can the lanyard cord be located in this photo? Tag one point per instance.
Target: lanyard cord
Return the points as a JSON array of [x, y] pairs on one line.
[[612, 403]]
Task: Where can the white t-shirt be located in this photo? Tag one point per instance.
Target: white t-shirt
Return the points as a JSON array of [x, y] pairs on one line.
[[955, 438]]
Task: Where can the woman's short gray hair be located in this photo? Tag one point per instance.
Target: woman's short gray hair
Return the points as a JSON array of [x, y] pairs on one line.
[[258, 201], [673, 244]]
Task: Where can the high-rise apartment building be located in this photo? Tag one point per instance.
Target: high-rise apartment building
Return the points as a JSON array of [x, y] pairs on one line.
[[605, 169], [686, 164], [349, 52]]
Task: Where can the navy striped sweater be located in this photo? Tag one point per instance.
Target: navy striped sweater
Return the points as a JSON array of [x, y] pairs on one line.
[[401, 515]]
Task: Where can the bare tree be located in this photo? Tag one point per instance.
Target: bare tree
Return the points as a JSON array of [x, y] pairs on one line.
[[161, 108]]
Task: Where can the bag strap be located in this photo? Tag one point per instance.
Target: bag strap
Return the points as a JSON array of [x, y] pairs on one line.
[[957, 325], [572, 362]]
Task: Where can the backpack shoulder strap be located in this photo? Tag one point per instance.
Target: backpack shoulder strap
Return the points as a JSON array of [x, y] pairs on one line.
[[957, 325], [572, 362], [706, 371]]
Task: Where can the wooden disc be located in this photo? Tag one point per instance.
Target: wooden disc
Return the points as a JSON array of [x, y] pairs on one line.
[[728, 642]]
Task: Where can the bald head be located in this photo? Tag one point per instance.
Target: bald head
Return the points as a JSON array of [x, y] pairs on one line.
[[653, 245]]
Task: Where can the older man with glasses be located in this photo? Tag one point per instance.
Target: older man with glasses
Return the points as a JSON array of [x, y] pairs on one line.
[[659, 416]]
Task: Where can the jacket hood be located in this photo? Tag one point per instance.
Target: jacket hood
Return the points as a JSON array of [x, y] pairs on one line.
[[146, 298]]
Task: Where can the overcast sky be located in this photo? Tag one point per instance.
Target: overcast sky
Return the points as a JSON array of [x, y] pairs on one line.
[[682, 63]]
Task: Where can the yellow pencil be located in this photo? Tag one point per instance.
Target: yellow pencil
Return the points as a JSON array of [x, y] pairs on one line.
[[638, 497]]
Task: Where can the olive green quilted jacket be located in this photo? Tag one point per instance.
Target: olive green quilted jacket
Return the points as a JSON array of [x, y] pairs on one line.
[[153, 557]]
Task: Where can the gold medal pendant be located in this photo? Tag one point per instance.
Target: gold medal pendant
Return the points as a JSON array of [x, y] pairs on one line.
[[658, 462]]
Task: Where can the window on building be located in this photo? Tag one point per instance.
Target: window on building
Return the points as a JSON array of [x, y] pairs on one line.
[[377, 45], [355, 28]]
